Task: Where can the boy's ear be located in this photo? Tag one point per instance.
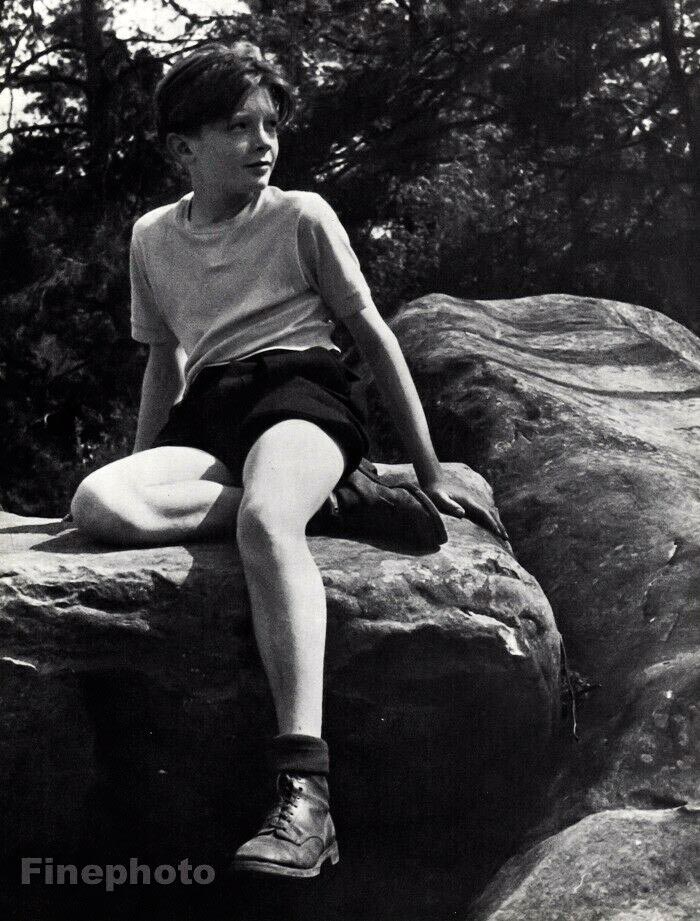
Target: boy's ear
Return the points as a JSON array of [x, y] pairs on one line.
[[179, 146]]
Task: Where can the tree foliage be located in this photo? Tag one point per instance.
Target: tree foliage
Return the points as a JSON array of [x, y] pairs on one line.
[[484, 148]]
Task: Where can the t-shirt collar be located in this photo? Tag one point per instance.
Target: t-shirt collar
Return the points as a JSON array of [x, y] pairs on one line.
[[242, 217]]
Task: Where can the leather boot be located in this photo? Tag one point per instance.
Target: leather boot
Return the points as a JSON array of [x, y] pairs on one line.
[[298, 835], [365, 504]]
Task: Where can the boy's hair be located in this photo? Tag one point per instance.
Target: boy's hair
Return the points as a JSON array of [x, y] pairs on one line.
[[208, 84]]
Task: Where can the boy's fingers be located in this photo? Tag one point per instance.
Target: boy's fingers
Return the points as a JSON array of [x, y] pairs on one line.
[[485, 518], [455, 508], [497, 527], [444, 502], [481, 516], [466, 507]]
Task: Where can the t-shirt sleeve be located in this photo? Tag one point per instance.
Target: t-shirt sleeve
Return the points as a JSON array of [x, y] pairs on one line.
[[147, 325], [328, 261]]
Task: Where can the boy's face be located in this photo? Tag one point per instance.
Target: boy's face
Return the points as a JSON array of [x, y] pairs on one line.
[[235, 156]]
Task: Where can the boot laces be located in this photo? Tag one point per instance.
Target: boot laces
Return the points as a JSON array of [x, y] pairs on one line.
[[283, 810]]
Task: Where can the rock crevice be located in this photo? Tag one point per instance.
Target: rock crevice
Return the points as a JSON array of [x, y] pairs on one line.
[[583, 413]]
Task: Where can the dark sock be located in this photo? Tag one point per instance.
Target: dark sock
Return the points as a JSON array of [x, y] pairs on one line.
[[298, 753]]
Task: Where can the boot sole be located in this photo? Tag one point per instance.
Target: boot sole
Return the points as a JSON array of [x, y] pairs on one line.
[[274, 869]]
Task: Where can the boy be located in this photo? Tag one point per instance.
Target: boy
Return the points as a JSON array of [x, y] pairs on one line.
[[234, 289]]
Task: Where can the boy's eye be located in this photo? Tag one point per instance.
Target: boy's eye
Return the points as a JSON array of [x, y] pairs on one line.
[[239, 125]]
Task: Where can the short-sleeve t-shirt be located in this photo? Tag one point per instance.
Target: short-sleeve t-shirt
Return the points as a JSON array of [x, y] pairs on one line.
[[274, 276]]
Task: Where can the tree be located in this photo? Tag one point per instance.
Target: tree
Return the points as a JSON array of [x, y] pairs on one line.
[[81, 162], [477, 147]]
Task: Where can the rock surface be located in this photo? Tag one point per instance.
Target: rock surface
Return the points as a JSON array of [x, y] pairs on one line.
[[618, 865], [133, 703], [584, 416]]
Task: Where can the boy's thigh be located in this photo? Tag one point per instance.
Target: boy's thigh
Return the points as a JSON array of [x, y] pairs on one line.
[[157, 466], [292, 467]]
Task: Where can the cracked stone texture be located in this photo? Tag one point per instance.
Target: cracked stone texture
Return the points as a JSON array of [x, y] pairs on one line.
[[584, 416], [133, 702], [618, 865]]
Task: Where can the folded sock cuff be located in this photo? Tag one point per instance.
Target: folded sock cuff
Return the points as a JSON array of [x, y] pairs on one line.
[[298, 753]]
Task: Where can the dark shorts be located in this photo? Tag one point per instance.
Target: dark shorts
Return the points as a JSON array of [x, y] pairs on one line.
[[229, 406]]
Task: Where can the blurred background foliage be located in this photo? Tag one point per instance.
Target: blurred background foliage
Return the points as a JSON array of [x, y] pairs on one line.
[[481, 148]]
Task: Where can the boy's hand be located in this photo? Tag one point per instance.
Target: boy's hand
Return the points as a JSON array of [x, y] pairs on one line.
[[455, 500]]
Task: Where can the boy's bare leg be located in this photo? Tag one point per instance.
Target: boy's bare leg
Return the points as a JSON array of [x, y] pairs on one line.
[[288, 474], [169, 494], [159, 496]]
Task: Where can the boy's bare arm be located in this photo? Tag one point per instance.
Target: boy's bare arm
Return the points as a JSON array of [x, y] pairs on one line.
[[380, 349], [163, 384]]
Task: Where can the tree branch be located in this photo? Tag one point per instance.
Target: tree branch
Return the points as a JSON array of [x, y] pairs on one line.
[[195, 18], [59, 46], [632, 54], [43, 79], [48, 126], [680, 84]]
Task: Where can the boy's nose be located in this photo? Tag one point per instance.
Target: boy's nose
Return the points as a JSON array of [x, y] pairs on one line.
[[264, 137]]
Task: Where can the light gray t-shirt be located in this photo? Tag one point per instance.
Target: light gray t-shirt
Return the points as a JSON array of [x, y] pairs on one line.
[[274, 276]]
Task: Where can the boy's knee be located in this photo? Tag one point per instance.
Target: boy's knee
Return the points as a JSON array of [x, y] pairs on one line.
[[262, 531], [86, 504], [102, 510]]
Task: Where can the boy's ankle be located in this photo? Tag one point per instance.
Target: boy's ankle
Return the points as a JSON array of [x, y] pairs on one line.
[[297, 754]]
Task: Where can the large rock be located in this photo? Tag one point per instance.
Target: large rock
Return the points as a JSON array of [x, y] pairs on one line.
[[583, 414], [133, 702], [627, 865]]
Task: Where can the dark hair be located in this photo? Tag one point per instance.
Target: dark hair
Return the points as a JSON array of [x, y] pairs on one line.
[[207, 85]]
